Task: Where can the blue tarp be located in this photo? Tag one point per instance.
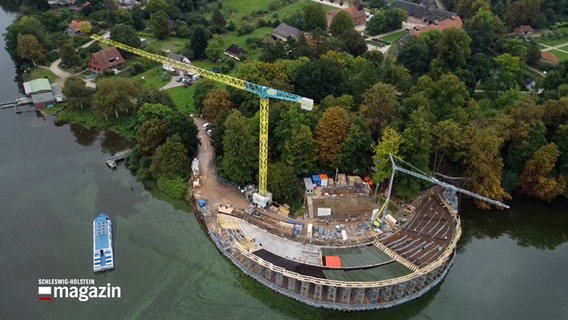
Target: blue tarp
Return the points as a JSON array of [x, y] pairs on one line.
[[201, 203]]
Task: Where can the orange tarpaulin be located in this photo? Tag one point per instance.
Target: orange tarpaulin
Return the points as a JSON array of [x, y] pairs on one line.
[[332, 261]]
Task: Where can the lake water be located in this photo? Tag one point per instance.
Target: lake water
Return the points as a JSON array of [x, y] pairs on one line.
[[53, 181]]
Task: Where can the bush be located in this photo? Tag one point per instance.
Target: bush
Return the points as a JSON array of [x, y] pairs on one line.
[[246, 29], [136, 69], [231, 26], [173, 187]]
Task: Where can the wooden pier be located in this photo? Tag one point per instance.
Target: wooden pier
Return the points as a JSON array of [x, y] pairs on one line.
[[111, 161]]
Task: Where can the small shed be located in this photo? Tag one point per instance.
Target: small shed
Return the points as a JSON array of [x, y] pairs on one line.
[[235, 52]]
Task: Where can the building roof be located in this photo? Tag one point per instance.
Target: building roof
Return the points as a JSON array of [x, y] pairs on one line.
[[412, 9], [75, 25], [107, 59], [37, 85], [454, 22], [524, 28], [285, 31], [42, 97], [178, 57], [357, 15], [235, 50], [548, 57]]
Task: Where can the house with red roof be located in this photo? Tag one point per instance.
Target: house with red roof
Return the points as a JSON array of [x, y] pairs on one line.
[[74, 28], [106, 60], [524, 30], [453, 22], [359, 17]]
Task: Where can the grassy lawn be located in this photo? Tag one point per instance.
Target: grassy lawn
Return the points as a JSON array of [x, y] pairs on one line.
[[565, 48], [551, 42], [37, 73], [393, 37], [560, 55], [183, 98]]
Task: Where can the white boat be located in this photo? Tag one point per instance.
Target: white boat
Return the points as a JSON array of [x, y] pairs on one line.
[[103, 258]]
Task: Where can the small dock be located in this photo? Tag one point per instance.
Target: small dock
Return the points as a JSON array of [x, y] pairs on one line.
[[112, 161], [24, 101]]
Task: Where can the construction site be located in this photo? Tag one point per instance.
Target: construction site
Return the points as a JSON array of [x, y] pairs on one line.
[[345, 251]]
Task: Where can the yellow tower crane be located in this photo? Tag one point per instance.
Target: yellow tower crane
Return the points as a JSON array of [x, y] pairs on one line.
[[263, 92]]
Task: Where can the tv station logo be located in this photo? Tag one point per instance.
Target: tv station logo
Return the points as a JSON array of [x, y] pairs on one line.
[[78, 289]]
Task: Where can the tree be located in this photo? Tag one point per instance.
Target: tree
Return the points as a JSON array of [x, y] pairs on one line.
[[116, 95], [448, 143], [414, 55], [388, 144], [125, 34], [159, 25], [331, 131], [153, 111], [320, 78], [509, 71], [154, 6], [150, 135], [39, 5], [378, 106], [198, 41], [290, 119], [483, 29], [560, 138], [218, 20], [300, 150], [216, 101], [137, 15], [201, 90], [170, 159], [240, 158], [282, 183], [314, 17], [536, 179], [353, 43], [523, 12], [377, 24], [394, 19], [453, 49], [356, 149], [215, 49], [484, 163], [342, 22], [69, 55], [24, 25], [30, 49], [77, 93], [85, 27]]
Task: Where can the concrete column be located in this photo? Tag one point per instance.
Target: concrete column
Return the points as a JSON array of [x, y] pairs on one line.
[[292, 284], [331, 291], [279, 279], [317, 291], [304, 288], [345, 294], [268, 274], [359, 295]]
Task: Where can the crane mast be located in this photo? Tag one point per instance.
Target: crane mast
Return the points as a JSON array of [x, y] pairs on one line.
[[445, 185], [263, 92]]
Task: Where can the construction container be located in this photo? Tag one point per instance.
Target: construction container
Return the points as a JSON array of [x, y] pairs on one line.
[[323, 179], [310, 228], [330, 182], [309, 185], [341, 179], [316, 180], [344, 235]]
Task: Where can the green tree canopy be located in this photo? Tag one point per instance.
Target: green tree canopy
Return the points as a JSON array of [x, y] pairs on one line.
[[170, 159], [356, 149], [159, 25], [150, 135], [240, 159], [536, 179], [389, 143], [282, 183], [198, 41], [77, 93], [314, 17], [378, 106], [342, 22], [30, 49], [300, 150], [115, 95]]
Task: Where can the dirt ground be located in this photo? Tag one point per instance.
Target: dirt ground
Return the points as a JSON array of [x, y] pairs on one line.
[[216, 193]]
